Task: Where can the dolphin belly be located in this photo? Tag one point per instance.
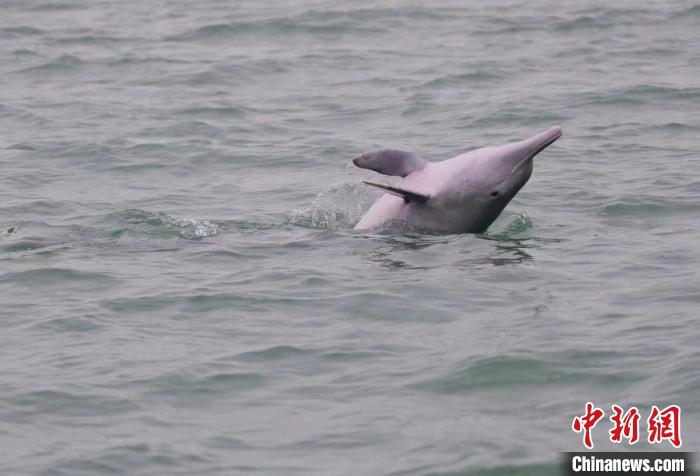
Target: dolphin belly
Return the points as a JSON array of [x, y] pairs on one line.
[[388, 207]]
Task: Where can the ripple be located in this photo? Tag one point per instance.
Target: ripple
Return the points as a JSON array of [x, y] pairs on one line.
[[18, 31], [30, 244], [96, 40], [276, 26], [62, 64], [646, 207], [180, 288], [121, 459], [692, 12], [220, 111], [160, 225], [510, 225], [584, 22], [186, 388], [25, 52], [70, 324], [55, 7], [511, 371], [26, 116], [455, 80], [281, 352], [54, 277], [70, 404], [662, 92], [140, 305]]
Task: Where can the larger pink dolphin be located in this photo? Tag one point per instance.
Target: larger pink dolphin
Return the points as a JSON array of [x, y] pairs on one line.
[[464, 194]]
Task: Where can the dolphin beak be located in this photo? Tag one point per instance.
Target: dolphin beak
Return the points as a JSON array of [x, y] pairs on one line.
[[541, 141], [518, 154]]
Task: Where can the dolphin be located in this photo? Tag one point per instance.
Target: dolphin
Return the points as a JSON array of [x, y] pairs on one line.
[[464, 194]]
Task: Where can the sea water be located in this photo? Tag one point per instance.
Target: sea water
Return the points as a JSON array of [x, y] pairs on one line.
[[181, 291]]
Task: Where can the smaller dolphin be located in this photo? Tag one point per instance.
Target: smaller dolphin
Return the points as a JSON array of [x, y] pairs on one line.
[[460, 195]]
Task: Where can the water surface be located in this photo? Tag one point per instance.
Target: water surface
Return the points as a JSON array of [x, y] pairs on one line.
[[180, 288]]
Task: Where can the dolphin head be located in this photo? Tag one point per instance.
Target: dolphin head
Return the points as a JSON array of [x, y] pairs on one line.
[[508, 168], [487, 179]]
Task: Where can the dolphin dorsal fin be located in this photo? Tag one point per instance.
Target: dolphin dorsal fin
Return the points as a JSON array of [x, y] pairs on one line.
[[407, 195], [390, 162]]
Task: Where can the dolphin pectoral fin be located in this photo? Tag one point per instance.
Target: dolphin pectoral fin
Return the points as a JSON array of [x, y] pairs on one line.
[[407, 195], [390, 162]]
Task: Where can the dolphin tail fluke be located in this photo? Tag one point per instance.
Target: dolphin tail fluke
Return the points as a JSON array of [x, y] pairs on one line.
[[407, 195], [390, 162]]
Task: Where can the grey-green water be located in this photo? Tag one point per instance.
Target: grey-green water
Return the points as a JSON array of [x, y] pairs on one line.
[[180, 288]]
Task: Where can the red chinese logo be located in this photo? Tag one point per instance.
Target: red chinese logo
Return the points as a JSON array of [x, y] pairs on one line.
[[665, 425], [627, 425], [586, 422], [661, 425]]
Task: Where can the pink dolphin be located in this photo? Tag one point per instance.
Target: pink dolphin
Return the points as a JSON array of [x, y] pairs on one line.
[[460, 195]]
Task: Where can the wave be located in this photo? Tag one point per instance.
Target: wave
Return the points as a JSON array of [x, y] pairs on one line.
[[159, 225], [62, 64], [19, 31], [278, 26]]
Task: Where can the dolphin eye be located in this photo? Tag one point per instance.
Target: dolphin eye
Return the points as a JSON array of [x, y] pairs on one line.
[[494, 193]]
